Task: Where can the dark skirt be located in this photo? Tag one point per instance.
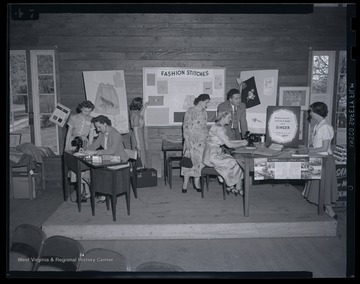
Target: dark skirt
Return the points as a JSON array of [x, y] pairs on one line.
[[328, 180]]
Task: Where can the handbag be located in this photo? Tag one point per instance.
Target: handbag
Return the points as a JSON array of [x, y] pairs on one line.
[[186, 162]]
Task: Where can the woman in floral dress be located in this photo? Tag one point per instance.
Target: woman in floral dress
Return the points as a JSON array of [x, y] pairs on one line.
[[195, 134]]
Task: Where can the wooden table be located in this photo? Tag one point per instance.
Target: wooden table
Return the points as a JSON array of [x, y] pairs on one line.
[[246, 162]]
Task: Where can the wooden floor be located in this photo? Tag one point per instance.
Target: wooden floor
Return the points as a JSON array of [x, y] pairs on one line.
[[161, 213], [323, 256]]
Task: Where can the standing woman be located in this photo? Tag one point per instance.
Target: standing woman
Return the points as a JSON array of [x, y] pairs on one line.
[[137, 124], [80, 125], [195, 135], [214, 156], [321, 139]]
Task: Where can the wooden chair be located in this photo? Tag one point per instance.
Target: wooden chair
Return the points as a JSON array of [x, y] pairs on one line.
[[171, 163], [59, 253], [158, 266], [26, 243], [118, 261], [206, 172]]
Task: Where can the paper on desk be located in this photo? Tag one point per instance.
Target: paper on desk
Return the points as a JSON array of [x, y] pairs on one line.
[[243, 150]]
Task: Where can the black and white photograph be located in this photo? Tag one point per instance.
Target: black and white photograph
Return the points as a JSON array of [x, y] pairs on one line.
[[105, 102]]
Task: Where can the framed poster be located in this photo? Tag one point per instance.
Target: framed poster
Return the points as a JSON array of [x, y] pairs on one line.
[[294, 96], [282, 125], [15, 139]]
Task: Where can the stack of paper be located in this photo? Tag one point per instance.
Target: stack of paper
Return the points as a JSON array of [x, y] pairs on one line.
[[277, 147]]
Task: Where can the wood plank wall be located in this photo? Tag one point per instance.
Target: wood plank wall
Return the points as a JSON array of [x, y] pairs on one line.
[[129, 42]]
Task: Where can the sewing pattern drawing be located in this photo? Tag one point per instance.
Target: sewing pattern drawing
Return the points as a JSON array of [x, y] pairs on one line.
[[107, 100]]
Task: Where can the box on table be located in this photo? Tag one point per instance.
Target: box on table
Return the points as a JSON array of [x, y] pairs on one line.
[[146, 177]]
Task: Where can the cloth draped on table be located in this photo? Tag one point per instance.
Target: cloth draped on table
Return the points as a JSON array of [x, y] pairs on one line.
[[29, 154]]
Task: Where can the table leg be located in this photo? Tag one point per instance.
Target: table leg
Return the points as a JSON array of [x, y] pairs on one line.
[[321, 189], [165, 170], [246, 190], [78, 185], [65, 179], [92, 192], [42, 167]]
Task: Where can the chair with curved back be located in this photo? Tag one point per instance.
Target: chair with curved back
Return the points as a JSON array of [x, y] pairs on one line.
[[206, 172], [101, 259], [172, 162], [26, 244], [59, 253], [158, 266]]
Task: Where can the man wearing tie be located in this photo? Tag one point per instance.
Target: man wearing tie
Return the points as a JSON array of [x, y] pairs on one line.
[[238, 126]]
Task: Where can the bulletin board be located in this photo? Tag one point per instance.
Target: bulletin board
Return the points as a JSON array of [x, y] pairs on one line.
[[170, 91], [258, 91], [107, 91]]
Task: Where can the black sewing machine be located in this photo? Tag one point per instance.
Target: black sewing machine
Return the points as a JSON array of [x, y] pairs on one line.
[[251, 138], [78, 143]]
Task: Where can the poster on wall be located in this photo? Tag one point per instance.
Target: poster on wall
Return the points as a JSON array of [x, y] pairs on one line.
[[282, 125], [258, 91], [106, 90], [170, 91]]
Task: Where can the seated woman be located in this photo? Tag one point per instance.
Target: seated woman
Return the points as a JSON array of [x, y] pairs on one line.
[[225, 164], [109, 139]]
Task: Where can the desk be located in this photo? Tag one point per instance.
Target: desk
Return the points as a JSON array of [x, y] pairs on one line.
[[246, 162], [73, 163], [77, 164], [170, 146]]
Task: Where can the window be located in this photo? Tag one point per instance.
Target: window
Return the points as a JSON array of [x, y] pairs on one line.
[[42, 94], [322, 82], [340, 103], [19, 98]]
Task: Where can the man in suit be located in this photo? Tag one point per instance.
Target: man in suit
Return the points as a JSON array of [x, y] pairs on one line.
[[238, 126]]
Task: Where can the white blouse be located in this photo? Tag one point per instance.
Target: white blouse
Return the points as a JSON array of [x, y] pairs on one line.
[[322, 131]]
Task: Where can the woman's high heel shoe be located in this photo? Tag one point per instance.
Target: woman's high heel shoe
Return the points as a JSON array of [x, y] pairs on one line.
[[184, 190]]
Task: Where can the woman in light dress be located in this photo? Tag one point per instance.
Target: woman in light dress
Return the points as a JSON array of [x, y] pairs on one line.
[[195, 134], [137, 109], [214, 156], [321, 139], [80, 125]]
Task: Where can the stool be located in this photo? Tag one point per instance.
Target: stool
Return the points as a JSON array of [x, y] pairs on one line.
[[205, 173], [171, 163]]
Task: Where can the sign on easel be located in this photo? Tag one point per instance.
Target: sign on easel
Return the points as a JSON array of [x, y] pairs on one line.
[[282, 125]]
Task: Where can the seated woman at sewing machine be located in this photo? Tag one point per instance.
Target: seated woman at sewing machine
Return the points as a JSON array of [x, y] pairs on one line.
[[224, 163]]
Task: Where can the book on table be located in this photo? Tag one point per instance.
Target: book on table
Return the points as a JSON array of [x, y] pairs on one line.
[[301, 153]]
